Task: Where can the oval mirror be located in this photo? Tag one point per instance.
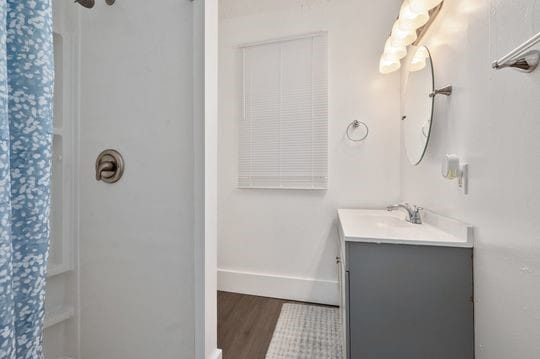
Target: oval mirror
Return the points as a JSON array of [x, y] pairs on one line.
[[418, 110]]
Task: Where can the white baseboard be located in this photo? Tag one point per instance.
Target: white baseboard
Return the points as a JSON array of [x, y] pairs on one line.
[[291, 288], [216, 355]]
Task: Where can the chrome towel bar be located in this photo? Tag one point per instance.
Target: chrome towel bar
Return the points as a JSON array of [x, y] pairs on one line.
[[519, 59]]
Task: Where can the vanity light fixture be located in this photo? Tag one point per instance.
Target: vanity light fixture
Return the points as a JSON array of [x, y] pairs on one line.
[[415, 17], [389, 63], [411, 20], [423, 5], [418, 61], [401, 37], [399, 51]]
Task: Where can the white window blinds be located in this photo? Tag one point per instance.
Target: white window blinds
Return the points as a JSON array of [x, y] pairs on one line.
[[284, 127]]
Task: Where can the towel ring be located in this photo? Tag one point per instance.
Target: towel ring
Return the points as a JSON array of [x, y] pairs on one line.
[[356, 124]]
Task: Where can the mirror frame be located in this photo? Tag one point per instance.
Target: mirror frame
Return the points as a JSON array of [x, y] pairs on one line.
[[428, 136]]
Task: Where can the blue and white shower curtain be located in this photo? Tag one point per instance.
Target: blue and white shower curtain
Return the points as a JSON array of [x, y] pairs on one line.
[[26, 112]]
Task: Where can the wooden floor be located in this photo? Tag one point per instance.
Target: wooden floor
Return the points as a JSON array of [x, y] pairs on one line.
[[246, 324]]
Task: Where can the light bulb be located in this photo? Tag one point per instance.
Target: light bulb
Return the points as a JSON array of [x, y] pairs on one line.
[[418, 61], [400, 37], [417, 65], [423, 5], [411, 20], [398, 51], [388, 64]]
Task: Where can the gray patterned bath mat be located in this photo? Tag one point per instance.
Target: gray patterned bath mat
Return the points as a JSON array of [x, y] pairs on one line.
[[307, 332]]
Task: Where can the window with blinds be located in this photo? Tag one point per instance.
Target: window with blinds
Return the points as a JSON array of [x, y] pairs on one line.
[[284, 127]]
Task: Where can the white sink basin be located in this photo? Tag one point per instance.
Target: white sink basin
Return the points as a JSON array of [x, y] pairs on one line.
[[381, 226]]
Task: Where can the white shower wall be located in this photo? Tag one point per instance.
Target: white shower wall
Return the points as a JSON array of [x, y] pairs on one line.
[[123, 257], [137, 236]]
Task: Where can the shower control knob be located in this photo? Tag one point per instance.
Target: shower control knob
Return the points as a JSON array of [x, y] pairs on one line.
[[109, 166], [91, 3]]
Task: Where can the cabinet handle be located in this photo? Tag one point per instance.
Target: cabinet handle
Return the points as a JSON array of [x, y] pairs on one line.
[[338, 260]]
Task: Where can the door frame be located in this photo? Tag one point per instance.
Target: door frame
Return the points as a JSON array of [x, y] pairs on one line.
[[206, 24]]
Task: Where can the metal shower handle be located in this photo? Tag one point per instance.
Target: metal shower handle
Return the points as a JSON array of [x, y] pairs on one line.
[[90, 3], [109, 166], [105, 169]]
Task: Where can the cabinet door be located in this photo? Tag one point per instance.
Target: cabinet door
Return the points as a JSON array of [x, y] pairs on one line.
[[410, 302], [342, 278], [347, 316]]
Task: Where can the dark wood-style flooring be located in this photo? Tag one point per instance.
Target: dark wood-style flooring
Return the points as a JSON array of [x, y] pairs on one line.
[[246, 324]]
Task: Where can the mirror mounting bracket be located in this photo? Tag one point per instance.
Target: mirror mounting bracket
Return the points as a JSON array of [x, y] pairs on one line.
[[446, 91]]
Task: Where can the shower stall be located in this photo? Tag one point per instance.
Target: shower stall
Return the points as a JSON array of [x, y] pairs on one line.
[[126, 273]]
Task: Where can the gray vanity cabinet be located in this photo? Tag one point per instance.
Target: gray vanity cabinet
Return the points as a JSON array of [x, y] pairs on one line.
[[407, 301]]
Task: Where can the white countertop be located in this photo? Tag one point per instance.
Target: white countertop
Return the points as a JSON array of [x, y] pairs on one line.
[[381, 226]]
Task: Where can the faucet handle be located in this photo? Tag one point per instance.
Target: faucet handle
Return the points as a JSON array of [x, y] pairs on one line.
[[417, 215]]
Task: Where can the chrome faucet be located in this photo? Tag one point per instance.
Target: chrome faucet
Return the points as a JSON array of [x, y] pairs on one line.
[[413, 212]]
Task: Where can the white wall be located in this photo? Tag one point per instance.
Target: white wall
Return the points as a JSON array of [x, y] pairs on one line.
[[282, 242], [136, 236], [492, 121]]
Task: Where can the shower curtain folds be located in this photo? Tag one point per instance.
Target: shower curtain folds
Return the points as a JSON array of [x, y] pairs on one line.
[[26, 113]]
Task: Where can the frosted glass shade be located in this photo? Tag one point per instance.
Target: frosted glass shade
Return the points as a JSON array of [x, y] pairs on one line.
[[397, 51], [418, 61], [400, 37], [411, 20], [388, 64], [423, 5]]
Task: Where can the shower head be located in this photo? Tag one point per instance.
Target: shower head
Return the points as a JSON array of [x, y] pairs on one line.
[[86, 3]]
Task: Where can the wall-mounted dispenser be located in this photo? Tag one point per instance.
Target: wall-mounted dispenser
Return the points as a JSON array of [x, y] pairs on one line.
[[452, 168]]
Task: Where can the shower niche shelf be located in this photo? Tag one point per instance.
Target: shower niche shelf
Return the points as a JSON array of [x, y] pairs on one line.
[[60, 253], [61, 301], [58, 269], [58, 316], [62, 178]]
